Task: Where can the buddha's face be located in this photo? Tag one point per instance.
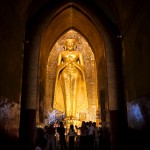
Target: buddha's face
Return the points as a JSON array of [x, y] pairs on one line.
[[70, 43]]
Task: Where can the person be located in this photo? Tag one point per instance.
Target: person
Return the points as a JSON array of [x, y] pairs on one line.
[[72, 135], [61, 131], [96, 136], [51, 137], [70, 95], [40, 140], [90, 135], [83, 136], [105, 137], [38, 147]]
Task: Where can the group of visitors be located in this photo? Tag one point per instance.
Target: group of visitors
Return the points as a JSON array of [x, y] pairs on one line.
[[89, 137]]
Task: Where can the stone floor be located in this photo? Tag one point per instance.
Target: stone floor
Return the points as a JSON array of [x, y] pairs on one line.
[[76, 145]]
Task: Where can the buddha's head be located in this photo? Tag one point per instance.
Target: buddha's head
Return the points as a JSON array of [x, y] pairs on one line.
[[70, 44]]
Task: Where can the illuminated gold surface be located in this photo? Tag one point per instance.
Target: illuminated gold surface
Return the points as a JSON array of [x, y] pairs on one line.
[[90, 74], [70, 95]]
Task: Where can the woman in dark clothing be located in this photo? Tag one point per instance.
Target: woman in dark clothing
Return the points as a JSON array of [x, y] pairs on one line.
[[61, 130], [83, 135], [72, 135]]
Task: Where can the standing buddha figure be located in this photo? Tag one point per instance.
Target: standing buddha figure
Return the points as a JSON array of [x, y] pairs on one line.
[[70, 94]]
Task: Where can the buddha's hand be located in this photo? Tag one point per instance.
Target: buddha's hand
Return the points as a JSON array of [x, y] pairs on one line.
[[70, 62], [70, 59]]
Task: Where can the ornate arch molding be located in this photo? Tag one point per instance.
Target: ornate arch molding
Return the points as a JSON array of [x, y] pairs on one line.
[[71, 17], [64, 20]]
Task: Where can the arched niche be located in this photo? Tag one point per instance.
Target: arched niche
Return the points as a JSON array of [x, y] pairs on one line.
[[42, 35], [90, 74], [71, 18]]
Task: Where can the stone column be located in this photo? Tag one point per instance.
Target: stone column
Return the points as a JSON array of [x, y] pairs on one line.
[[29, 96], [117, 105]]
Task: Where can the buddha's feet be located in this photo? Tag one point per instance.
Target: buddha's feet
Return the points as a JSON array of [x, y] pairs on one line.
[[73, 118], [67, 118]]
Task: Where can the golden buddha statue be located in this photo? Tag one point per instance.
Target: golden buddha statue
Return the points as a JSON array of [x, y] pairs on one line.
[[70, 95]]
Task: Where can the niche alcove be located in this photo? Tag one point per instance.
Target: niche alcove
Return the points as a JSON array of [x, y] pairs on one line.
[[92, 112], [94, 53]]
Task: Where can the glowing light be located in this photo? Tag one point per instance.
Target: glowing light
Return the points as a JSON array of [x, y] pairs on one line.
[[54, 116], [135, 118]]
